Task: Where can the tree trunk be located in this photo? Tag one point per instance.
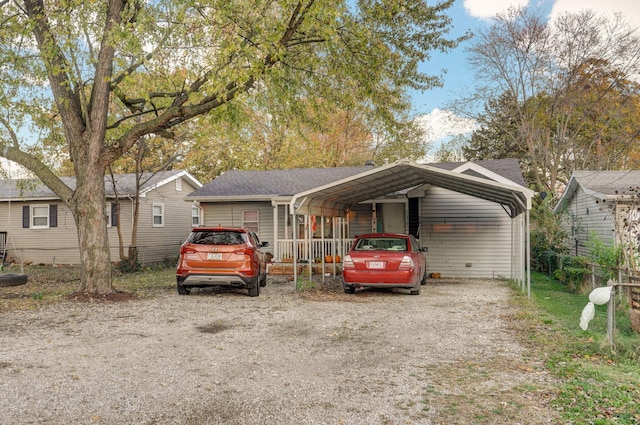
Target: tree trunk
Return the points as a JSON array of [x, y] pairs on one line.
[[88, 208]]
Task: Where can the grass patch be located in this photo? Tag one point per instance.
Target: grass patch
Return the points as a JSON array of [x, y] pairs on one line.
[[598, 385], [47, 285]]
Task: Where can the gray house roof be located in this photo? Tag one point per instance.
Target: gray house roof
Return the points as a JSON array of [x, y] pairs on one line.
[[34, 189], [602, 184], [267, 184]]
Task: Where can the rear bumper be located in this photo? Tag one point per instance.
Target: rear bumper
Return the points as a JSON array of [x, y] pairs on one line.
[[400, 279], [204, 280]]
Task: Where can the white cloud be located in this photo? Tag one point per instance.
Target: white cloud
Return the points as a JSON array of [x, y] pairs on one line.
[[630, 9], [440, 124], [482, 9]]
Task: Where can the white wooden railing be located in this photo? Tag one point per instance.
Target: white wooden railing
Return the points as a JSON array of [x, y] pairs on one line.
[[312, 250]]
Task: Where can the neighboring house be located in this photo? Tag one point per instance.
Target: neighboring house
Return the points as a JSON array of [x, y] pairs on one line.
[[602, 204], [466, 236], [38, 228]]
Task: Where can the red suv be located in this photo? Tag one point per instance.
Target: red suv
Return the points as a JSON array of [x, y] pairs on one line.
[[227, 256]]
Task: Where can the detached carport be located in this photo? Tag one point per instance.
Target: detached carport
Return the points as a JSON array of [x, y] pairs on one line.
[[335, 199]]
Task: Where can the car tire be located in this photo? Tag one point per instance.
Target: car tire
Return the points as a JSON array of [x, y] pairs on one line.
[[183, 290], [415, 291], [263, 281], [254, 291], [13, 279], [423, 281], [348, 289]]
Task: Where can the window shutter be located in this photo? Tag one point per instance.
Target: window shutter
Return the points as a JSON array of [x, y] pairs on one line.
[[53, 215], [114, 214], [25, 216]]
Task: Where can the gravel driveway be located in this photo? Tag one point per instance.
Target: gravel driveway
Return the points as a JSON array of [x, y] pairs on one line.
[[221, 357]]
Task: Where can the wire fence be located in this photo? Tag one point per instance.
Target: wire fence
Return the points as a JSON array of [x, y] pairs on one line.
[[147, 255]]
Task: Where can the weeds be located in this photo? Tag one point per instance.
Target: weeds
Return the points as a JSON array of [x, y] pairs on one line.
[[598, 385]]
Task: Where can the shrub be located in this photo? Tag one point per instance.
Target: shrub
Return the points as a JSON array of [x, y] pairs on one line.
[[574, 272]]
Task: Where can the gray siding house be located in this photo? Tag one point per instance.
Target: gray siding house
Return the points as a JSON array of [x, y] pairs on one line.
[[466, 236], [36, 227], [604, 204]]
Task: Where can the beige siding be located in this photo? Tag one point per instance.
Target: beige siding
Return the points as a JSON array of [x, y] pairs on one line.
[[60, 244], [53, 245], [467, 237], [158, 244], [230, 214]]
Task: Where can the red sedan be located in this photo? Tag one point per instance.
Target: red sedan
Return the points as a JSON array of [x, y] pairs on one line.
[[385, 260]]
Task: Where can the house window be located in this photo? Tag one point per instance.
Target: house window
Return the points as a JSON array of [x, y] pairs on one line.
[[195, 215], [39, 216], [112, 214], [250, 219], [158, 215]]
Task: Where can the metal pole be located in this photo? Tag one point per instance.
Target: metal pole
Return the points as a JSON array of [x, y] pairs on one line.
[[611, 317]]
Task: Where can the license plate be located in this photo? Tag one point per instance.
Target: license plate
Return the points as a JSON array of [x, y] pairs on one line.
[[214, 256], [376, 264]]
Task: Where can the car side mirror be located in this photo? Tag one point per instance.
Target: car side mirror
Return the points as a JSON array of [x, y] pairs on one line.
[[424, 249], [264, 244]]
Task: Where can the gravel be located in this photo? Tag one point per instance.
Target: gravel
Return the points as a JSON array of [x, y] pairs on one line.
[[221, 357]]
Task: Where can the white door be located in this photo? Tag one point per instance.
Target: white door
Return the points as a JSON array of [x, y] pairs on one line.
[[393, 218]]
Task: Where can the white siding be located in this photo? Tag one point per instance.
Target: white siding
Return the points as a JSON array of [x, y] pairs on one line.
[[467, 237], [586, 215]]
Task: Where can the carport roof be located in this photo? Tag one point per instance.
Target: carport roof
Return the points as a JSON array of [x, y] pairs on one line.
[[336, 198]]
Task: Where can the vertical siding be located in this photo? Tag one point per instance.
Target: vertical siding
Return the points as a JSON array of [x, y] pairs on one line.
[[467, 237]]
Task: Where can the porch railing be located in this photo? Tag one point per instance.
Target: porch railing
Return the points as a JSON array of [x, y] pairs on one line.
[[317, 249]]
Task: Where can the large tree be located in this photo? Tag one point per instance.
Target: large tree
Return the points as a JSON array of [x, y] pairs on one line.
[[111, 72], [561, 93]]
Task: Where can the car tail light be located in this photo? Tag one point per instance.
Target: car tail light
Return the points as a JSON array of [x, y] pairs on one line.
[[187, 249], [348, 263], [244, 251], [406, 263]]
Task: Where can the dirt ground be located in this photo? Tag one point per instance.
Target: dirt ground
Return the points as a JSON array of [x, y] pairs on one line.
[[448, 356]]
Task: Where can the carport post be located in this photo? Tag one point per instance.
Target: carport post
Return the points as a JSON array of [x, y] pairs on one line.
[[528, 261], [295, 253]]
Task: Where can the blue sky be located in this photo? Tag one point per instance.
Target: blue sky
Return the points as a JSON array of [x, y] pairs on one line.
[[458, 79]]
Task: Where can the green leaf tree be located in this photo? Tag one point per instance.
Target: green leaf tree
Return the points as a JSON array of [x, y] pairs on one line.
[[101, 75]]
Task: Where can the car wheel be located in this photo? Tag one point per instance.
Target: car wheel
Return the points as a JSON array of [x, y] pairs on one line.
[[254, 291], [349, 289], [423, 281], [263, 281], [183, 290], [415, 291]]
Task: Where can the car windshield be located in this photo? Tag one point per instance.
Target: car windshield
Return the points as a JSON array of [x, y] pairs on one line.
[[385, 244], [218, 238]]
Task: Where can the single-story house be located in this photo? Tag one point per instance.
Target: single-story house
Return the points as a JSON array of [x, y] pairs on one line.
[[36, 227], [604, 204], [472, 216]]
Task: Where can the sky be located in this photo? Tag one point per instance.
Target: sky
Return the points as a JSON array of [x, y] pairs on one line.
[[431, 107]]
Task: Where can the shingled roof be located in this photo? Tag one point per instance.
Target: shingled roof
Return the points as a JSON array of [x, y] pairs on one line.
[[32, 189], [266, 184], [602, 184]]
